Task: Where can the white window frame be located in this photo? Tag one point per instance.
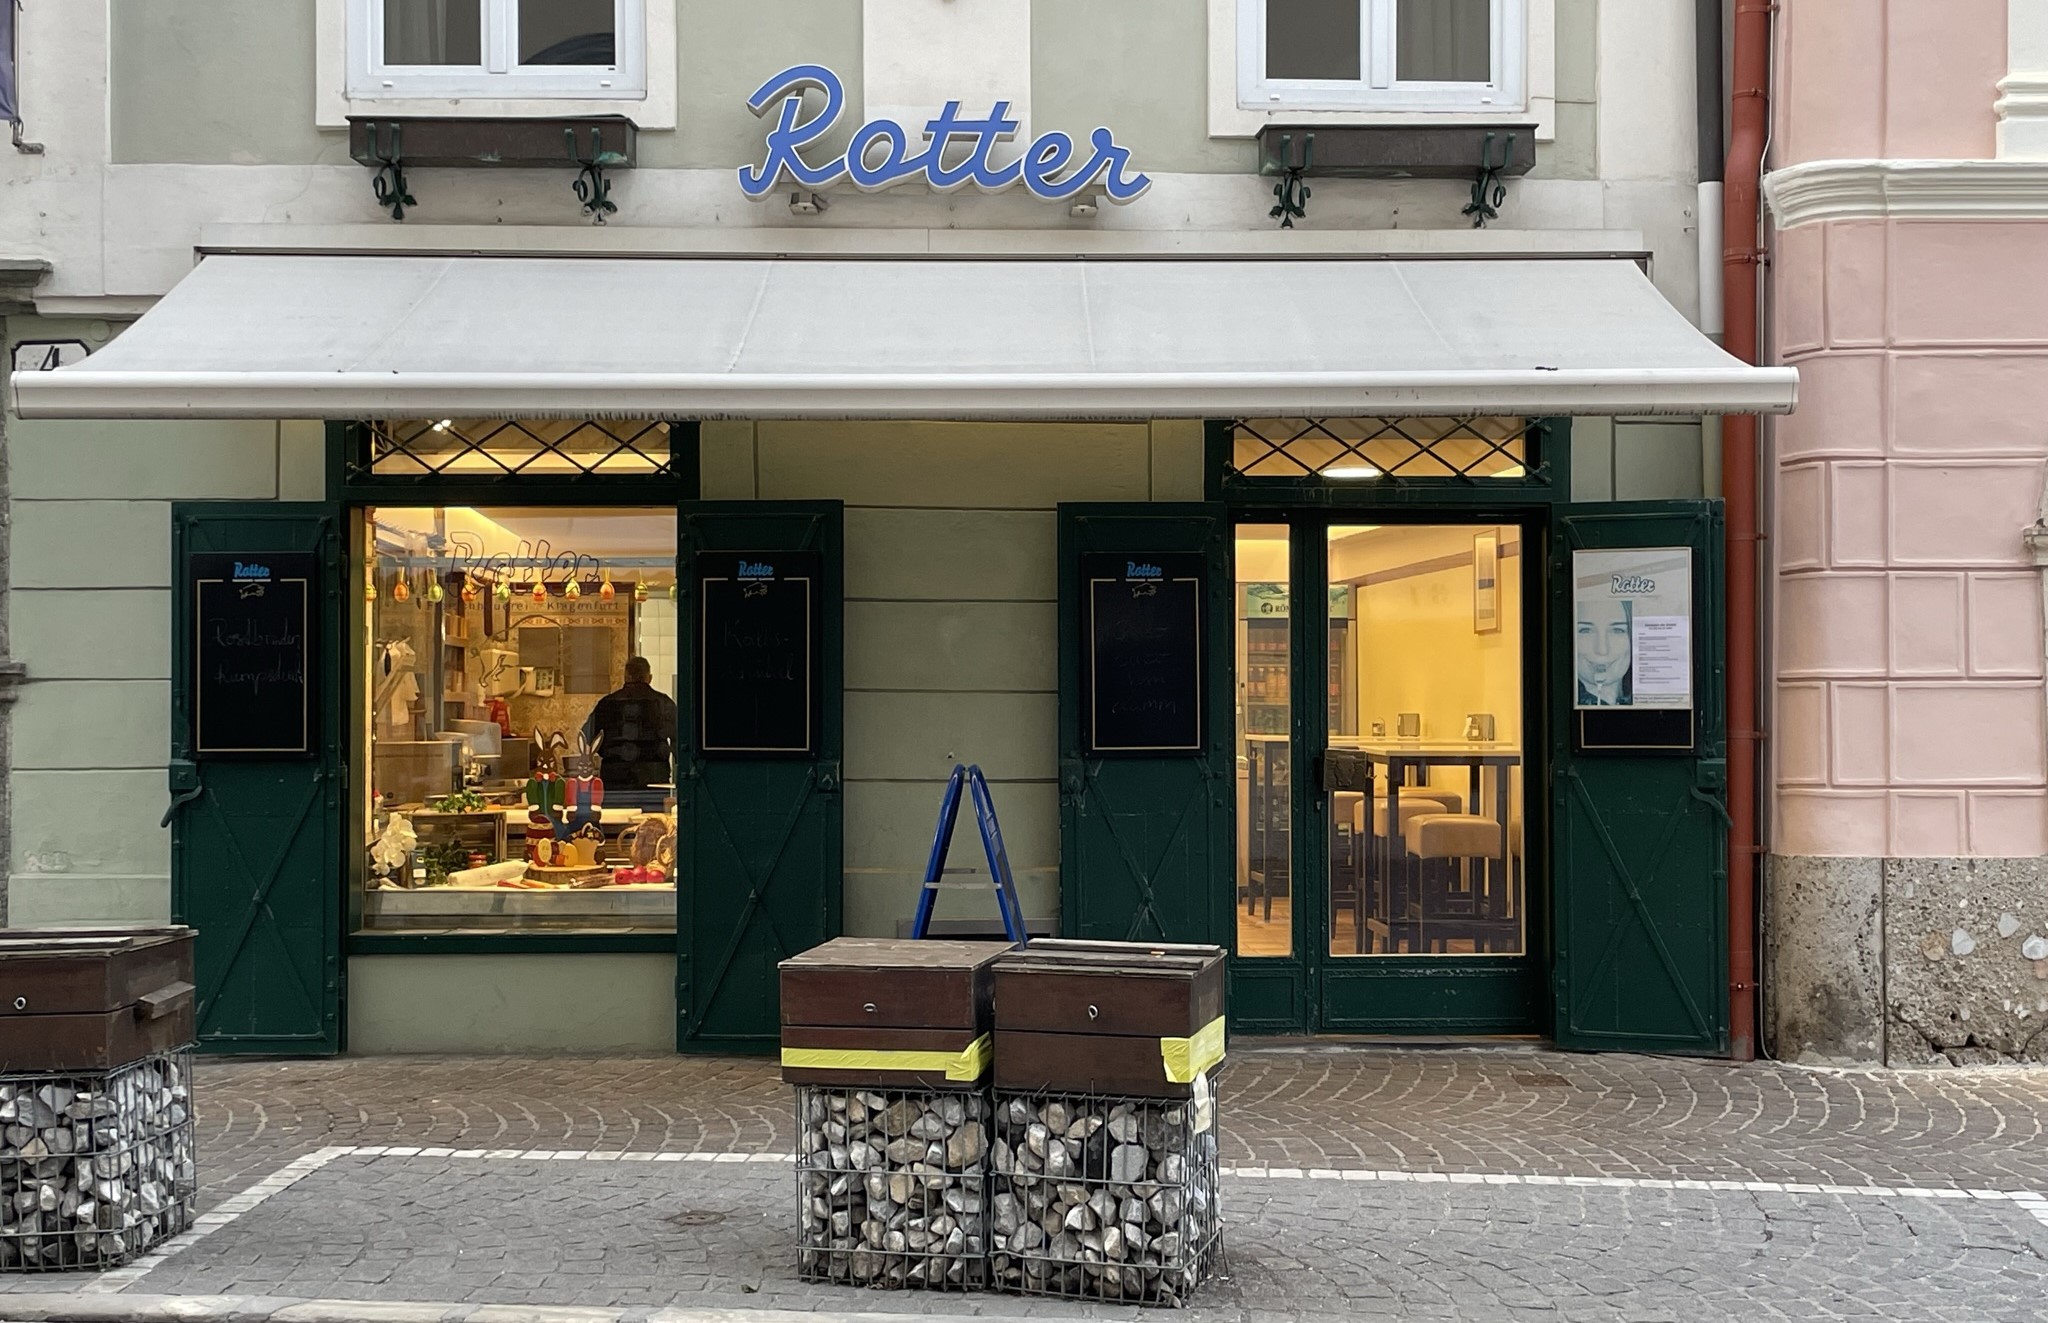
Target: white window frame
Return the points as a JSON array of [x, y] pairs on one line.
[[1242, 100], [347, 81]]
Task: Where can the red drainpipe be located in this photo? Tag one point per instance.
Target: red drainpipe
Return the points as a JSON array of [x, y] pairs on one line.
[[1741, 262]]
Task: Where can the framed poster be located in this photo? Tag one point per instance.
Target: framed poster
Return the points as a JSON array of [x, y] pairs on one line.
[[1486, 582], [1632, 648], [253, 672], [1142, 669], [758, 653]]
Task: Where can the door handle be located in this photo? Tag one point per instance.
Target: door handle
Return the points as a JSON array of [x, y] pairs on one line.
[[186, 786]]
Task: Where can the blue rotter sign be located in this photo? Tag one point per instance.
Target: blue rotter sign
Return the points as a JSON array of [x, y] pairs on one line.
[[881, 154]]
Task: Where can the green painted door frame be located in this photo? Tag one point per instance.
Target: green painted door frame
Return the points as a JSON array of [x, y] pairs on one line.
[[1310, 990], [256, 844], [759, 838]]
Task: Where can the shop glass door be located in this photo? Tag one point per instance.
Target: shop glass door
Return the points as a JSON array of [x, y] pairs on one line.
[[1382, 735]]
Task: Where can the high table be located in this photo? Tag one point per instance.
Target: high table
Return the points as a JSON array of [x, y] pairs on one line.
[[1353, 763]]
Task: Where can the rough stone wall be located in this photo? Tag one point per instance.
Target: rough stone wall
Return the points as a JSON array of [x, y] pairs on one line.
[[1966, 961], [1907, 962]]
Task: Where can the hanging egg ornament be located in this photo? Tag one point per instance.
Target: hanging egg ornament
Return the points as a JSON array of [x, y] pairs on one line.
[[572, 589], [640, 590], [401, 591], [605, 591], [469, 588], [504, 590], [435, 592], [369, 583], [540, 591], [671, 592]]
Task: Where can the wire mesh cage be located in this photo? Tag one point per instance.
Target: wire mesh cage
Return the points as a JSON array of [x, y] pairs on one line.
[[1105, 1197], [96, 1167], [892, 1187]]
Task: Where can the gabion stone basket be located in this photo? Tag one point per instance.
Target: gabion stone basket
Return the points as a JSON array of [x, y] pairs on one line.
[[893, 1187], [96, 1167], [1106, 1197]]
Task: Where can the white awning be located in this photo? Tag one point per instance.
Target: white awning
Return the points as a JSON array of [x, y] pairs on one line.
[[315, 336]]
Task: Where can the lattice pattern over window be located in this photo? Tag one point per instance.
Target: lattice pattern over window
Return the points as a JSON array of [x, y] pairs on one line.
[[504, 447], [1368, 448]]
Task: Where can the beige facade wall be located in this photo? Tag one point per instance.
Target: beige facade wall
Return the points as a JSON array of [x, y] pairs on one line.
[[951, 620], [88, 547]]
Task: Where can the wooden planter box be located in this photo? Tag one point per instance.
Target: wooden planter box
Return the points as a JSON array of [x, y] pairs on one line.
[[93, 998], [887, 1013], [1115, 1018]]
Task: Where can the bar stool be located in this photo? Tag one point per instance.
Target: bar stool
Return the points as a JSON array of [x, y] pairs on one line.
[[1458, 899], [1390, 885]]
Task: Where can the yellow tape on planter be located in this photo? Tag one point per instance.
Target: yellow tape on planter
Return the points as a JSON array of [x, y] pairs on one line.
[[964, 1066], [1189, 1057]]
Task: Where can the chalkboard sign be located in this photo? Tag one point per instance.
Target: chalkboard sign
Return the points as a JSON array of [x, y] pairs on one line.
[[1142, 668], [253, 674], [757, 653]]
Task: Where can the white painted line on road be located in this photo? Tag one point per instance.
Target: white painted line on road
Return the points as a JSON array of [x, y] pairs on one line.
[[290, 1174], [2033, 1201], [235, 1206]]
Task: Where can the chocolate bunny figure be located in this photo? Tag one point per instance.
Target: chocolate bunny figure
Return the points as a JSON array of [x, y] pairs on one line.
[[544, 793], [585, 788]]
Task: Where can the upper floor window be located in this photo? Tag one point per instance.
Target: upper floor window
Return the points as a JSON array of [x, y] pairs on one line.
[[1424, 55], [590, 49]]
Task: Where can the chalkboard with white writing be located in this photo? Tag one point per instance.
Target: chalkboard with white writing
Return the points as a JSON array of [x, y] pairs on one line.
[[1142, 666], [253, 673], [758, 653]]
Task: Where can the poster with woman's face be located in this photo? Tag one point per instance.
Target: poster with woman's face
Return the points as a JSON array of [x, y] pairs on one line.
[[1632, 627]]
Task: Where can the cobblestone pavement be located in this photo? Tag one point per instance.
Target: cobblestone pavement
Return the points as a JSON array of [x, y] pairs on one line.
[[523, 1231], [1462, 1183], [1469, 1110]]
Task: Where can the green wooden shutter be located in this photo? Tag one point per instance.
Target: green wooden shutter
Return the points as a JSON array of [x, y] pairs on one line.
[[758, 852], [1145, 842], [1639, 840], [256, 845]]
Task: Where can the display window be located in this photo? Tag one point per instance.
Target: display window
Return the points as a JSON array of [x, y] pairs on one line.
[[518, 704]]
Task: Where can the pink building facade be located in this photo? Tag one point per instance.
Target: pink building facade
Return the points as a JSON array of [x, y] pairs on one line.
[[1906, 915]]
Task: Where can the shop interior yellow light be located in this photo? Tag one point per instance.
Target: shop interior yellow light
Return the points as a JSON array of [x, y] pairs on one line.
[[1351, 471], [444, 424]]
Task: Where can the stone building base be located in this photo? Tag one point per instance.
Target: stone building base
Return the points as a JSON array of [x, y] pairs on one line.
[[1906, 962]]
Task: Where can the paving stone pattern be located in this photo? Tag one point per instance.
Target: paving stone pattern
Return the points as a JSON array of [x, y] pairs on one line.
[[520, 1231], [1528, 1112]]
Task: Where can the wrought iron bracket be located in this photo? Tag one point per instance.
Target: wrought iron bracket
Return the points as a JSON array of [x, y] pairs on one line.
[[389, 182], [593, 190], [1291, 194], [1488, 192]]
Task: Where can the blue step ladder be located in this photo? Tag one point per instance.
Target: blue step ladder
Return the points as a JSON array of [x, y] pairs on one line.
[[935, 868]]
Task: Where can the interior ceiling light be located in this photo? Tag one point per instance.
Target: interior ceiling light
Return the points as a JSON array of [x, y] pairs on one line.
[[1351, 471]]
